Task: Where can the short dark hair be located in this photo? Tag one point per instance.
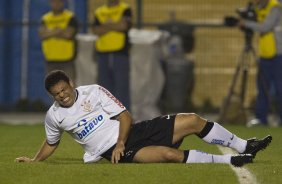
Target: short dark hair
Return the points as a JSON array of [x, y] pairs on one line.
[[54, 77]]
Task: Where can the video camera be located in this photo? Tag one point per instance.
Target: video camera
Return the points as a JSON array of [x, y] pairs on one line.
[[247, 13]]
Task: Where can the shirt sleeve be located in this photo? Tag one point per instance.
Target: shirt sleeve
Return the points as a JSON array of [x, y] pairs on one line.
[[73, 23], [42, 23], [96, 22], [269, 23], [109, 103], [53, 132], [127, 13]]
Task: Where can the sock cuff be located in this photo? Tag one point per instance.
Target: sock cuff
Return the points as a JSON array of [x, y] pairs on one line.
[[186, 154], [206, 129]]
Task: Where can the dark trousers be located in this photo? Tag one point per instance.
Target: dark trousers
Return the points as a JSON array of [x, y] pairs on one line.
[[269, 83], [113, 74]]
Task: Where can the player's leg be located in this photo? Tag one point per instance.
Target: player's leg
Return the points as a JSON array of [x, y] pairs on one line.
[[187, 124], [213, 133], [157, 154], [210, 132]]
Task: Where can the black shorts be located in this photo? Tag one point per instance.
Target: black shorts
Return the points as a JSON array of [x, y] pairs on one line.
[[155, 132]]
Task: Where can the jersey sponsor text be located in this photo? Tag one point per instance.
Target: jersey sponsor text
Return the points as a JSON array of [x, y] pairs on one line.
[[89, 126], [112, 97]]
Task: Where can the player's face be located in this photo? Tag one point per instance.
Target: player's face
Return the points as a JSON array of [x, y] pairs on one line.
[[57, 5], [64, 93], [111, 2]]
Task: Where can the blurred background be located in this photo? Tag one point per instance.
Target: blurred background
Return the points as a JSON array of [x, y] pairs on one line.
[[191, 55]]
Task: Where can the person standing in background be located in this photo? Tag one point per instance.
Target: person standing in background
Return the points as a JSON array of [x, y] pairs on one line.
[[112, 22], [269, 26], [57, 32]]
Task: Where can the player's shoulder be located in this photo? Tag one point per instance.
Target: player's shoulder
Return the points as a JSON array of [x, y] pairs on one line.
[[88, 87], [53, 109], [68, 12], [101, 9], [47, 15], [124, 5]]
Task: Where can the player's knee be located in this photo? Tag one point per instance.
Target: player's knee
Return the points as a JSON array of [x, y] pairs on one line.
[[171, 155], [188, 123], [194, 121]]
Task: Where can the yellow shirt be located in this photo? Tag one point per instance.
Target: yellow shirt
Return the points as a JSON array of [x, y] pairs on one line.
[[113, 40], [267, 45], [58, 49]]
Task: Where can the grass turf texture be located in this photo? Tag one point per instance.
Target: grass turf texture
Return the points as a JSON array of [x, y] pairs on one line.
[[66, 165]]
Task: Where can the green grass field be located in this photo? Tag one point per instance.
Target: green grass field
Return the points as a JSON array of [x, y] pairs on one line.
[[66, 165]]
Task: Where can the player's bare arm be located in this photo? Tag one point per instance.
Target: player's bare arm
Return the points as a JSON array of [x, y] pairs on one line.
[[44, 152], [125, 120]]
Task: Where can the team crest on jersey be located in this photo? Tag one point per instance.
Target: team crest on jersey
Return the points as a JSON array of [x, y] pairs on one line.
[[87, 106]]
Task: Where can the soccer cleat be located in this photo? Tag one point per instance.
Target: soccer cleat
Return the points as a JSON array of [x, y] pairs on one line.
[[255, 145], [241, 159]]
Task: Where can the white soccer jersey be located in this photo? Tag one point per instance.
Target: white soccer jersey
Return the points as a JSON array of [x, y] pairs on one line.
[[88, 121]]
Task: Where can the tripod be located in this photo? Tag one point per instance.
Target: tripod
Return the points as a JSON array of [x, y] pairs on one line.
[[237, 114]]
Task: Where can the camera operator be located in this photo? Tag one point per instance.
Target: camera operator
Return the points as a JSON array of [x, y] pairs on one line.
[[269, 27]]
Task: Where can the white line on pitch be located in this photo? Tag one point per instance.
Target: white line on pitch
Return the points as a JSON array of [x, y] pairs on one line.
[[244, 175]]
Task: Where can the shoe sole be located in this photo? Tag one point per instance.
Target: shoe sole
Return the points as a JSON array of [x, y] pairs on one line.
[[265, 142]]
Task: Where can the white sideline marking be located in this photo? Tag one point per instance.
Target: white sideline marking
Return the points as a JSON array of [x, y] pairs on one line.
[[244, 175]]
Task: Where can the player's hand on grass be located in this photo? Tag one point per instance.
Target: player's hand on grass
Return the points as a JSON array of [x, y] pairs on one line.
[[118, 152], [24, 159]]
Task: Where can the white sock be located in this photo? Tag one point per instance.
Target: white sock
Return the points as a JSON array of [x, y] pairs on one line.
[[219, 135], [196, 156]]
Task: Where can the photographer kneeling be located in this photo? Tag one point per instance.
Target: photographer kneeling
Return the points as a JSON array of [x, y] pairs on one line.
[[269, 26]]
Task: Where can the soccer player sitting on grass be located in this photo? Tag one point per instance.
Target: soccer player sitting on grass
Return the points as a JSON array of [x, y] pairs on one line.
[[105, 129]]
